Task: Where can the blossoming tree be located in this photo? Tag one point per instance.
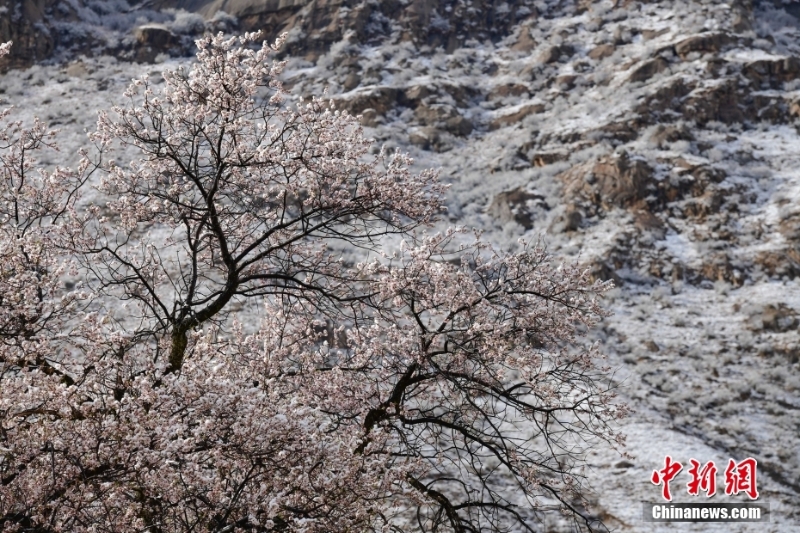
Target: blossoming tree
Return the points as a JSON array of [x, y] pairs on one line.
[[442, 386]]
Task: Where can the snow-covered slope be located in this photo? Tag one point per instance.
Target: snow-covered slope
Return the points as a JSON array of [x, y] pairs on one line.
[[655, 141]]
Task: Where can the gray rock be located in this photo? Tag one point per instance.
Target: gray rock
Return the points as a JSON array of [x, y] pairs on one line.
[[458, 126], [703, 43], [370, 118], [557, 53], [381, 99], [772, 73], [507, 90], [670, 133], [518, 205], [617, 181], [351, 81], [778, 318], [569, 220], [602, 51], [516, 116], [648, 69]]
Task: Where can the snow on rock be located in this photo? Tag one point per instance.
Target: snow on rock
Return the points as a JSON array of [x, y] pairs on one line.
[[655, 141]]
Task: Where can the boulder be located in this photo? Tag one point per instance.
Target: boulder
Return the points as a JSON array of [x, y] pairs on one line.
[[423, 137], [518, 205], [772, 73], [412, 96], [703, 43], [668, 97], [351, 81], [652, 34], [670, 133], [718, 102], [507, 89], [569, 220], [557, 53], [515, 116], [612, 181], [156, 36], [648, 69], [370, 118], [778, 318], [435, 114], [381, 99], [524, 42], [542, 159], [23, 23], [780, 263], [458, 126], [566, 82], [153, 40], [602, 51]]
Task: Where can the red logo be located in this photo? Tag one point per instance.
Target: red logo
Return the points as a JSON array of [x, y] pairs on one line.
[[739, 477], [665, 475], [704, 479]]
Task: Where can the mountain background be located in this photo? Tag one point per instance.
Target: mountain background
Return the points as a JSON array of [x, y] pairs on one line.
[[656, 142]]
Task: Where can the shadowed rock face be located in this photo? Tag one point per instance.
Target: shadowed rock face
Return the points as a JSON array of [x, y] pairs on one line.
[[39, 27], [610, 182], [685, 79], [437, 23], [522, 207], [21, 23], [237, 8]]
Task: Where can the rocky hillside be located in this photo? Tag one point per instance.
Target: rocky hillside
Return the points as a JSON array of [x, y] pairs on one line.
[[655, 141]]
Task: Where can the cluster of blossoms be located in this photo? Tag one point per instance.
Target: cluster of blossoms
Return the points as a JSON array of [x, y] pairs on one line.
[[440, 387]]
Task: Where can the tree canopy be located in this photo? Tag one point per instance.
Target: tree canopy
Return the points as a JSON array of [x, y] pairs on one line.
[[439, 386]]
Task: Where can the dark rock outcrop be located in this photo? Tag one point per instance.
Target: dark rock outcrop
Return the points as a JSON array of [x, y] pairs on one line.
[[518, 205], [772, 73], [508, 90], [152, 40], [444, 117], [719, 102], [23, 23], [380, 99], [614, 181], [774, 317], [602, 51], [648, 69], [557, 53], [515, 116], [703, 43], [670, 133]]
